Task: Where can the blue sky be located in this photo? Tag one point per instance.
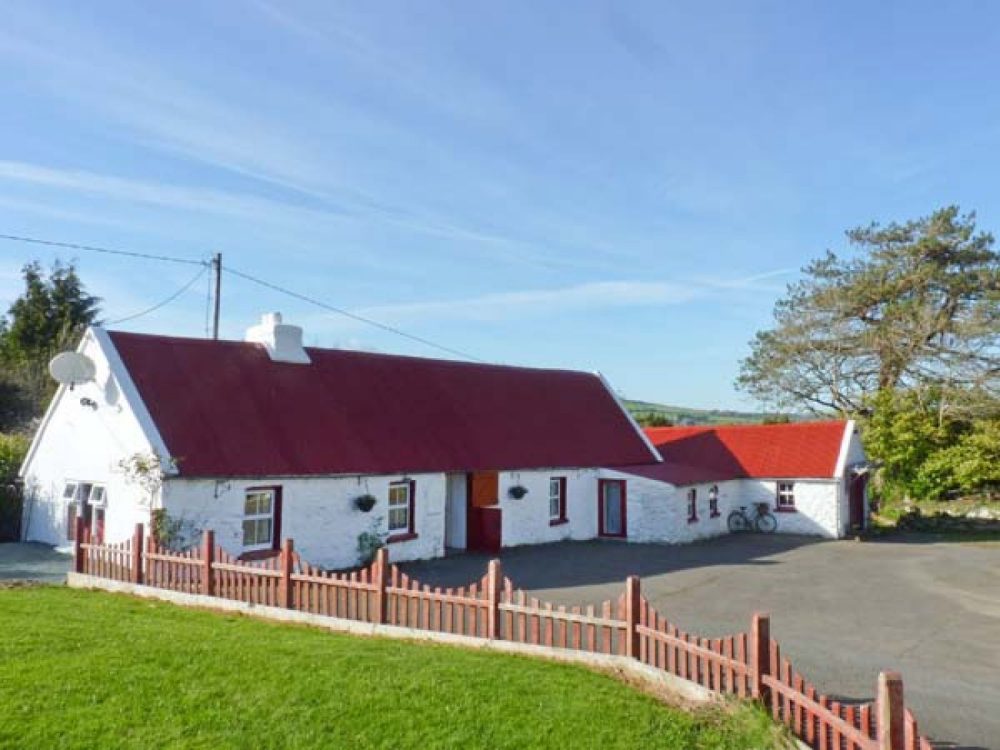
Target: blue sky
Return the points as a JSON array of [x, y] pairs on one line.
[[615, 186]]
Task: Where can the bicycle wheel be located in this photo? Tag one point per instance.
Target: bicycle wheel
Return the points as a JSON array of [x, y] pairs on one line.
[[737, 522], [766, 523]]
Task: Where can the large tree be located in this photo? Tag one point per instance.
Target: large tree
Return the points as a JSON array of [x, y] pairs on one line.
[[49, 316], [913, 305]]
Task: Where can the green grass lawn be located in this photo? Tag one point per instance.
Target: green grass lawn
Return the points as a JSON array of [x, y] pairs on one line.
[[82, 669]]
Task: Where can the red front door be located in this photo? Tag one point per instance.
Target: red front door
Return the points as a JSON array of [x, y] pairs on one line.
[[484, 518], [857, 501]]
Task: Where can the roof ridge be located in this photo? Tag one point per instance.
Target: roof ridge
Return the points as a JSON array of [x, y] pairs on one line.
[[352, 352]]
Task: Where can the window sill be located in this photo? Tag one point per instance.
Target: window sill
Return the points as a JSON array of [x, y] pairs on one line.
[[401, 537], [693, 520], [259, 554], [786, 510], [558, 521], [714, 515]]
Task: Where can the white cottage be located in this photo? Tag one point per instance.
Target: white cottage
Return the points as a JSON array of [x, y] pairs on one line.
[[263, 439], [812, 476]]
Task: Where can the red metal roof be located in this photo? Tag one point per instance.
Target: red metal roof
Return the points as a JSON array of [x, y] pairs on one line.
[[224, 408], [768, 451]]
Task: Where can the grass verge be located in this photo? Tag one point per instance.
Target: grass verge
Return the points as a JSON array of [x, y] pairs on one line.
[[82, 669]]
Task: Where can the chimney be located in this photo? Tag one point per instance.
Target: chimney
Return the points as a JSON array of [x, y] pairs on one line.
[[282, 342]]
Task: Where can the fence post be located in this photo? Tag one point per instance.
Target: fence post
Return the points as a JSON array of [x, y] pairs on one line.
[[760, 664], [890, 711], [77, 542], [380, 577], [137, 554], [494, 582], [207, 558], [632, 617], [285, 586]]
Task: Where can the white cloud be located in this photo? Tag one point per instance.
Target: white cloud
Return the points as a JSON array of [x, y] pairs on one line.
[[598, 295]]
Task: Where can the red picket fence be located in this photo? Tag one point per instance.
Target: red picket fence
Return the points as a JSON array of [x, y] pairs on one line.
[[746, 665]]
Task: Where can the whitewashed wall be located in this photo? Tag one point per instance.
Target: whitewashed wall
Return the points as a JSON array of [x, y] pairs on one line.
[[317, 513], [817, 505], [79, 443], [658, 512], [526, 520]]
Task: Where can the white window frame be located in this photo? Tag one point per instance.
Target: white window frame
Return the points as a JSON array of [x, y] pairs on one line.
[[557, 499], [784, 496], [407, 506], [258, 516]]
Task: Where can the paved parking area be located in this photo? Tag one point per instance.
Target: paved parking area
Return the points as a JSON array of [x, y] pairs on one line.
[[31, 561], [842, 610]]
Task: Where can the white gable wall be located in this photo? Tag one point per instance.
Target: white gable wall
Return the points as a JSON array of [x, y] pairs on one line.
[[80, 443]]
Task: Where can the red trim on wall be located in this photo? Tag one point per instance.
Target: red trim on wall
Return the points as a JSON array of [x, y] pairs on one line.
[[601, 483]]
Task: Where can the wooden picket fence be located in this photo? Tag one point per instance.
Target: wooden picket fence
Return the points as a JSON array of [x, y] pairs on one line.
[[746, 665]]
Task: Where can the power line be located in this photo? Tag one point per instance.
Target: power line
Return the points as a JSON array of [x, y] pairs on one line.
[[209, 264], [93, 248], [165, 302], [353, 316]]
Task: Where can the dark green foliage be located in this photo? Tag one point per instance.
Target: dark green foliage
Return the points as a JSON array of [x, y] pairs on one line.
[[48, 317], [915, 304], [904, 334]]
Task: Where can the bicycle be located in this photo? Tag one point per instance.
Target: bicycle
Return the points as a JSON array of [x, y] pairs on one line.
[[763, 520]]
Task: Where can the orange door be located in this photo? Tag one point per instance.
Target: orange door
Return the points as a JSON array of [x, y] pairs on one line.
[[485, 488]]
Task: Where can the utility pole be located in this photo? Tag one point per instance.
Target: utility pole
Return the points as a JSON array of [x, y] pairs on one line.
[[217, 268]]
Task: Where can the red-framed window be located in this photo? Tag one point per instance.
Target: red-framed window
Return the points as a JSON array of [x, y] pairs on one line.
[[713, 501], [557, 500], [262, 518], [784, 497], [692, 505], [402, 510]]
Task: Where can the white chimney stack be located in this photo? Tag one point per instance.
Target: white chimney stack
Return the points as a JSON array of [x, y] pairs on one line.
[[283, 342]]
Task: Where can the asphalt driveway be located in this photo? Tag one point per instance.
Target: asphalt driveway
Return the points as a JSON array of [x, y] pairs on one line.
[[30, 561], [841, 610]]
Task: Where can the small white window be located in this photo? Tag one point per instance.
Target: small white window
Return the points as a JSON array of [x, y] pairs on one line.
[[400, 507], [69, 491], [692, 505], [786, 496], [258, 518], [557, 499], [713, 501], [98, 496]]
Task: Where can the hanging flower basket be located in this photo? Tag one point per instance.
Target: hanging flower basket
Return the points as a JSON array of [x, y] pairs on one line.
[[365, 503], [517, 491]]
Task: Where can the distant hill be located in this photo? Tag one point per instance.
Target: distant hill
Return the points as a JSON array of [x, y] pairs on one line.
[[681, 415]]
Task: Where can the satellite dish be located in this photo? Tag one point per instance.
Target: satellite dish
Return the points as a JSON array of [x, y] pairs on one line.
[[70, 368]]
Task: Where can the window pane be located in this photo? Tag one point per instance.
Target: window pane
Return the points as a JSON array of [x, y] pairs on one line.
[[399, 519], [97, 495], [264, 503], [264, 531], [70, 490], [399, 494], [249, 533], [250, 504], [554, 506]]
